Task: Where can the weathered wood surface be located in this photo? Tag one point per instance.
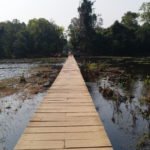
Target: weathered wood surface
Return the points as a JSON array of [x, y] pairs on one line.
[[67, 118]]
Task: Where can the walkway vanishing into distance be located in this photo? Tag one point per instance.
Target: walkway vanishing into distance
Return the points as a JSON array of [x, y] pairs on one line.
[[66, 118]]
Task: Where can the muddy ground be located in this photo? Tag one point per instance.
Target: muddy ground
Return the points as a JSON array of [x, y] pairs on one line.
[[39, 80]]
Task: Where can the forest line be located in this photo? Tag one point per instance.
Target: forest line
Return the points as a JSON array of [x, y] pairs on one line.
[[86, 35]]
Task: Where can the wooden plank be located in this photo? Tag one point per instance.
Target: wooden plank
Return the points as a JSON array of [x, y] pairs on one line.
[[87, 143], [84, 122], [60, 119], [100, 148], [47, 104], [82, 114], [76, 129], [65, 136], [39, 145], [67, 107], [66, 110]]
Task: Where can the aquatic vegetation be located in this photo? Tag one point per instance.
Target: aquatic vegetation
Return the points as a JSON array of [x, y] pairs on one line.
[[107, 92], [126, 97], [94, 66], [147, 81], [112, 94], [142, 100], [18, 100], [144, 142], [22, 78], [33, 76]]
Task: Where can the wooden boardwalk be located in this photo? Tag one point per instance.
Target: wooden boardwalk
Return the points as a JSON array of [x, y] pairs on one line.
[[66, 118]]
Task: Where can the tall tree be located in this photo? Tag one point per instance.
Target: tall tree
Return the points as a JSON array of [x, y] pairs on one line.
[[145, 12], [121, 40], [47, 37], [74, 30], [1, 42], [83, 30], [143, 35], [10, 31], [130, 20], [87, 21], [39, 38], [23, 45]]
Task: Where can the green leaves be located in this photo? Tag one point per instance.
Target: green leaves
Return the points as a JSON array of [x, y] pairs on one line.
[[82, 30], [145, 12], [130, 20], [39, 38]]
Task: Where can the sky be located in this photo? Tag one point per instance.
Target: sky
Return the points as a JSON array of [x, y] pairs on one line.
[[62, 11]]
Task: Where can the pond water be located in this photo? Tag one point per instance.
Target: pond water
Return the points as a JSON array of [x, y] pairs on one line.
[[14, 120], [17, 109], [123, 131], [126, 117], [14, 70]]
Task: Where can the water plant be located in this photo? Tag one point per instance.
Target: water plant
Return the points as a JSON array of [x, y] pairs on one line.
[[92, 66], [143, 142], [22, 78], [142, 101], [147, 81]]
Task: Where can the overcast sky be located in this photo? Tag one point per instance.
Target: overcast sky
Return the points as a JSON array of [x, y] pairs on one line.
[[61, 11]]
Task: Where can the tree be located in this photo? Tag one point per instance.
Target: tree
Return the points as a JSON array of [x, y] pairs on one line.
[[47, 37], [23, 45], [143, 36], [145, 12], [39, 38], [130, 20], [10, 31], [82, 30], [86, 16], [74, 30], [1, 42], [87, 21], [122, 40]]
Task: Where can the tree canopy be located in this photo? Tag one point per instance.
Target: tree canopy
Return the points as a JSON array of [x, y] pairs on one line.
[[125, 38], [43, 38], [39, 38], [130, 20], [82, 30], [145, 15]]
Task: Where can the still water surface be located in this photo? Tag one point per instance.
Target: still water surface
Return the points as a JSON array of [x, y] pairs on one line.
[[16, 110], [127, 122]]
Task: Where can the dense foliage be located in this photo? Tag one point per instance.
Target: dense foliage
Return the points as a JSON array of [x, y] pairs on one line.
[[42, 38], [39, 38], [125, 38]]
